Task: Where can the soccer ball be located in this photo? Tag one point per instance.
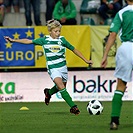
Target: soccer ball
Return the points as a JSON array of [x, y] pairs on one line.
[[95, 107]]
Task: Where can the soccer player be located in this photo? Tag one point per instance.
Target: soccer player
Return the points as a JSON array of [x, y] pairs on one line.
[[54, 47], [122, 22]]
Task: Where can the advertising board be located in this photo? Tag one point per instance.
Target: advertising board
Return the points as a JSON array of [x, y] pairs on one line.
[[82, 86]]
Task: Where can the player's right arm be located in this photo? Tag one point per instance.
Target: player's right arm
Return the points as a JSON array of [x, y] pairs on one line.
[[109, 44], [24, 41]]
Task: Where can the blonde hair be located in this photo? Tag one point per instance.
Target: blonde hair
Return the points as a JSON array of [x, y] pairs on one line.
[[51, 24]]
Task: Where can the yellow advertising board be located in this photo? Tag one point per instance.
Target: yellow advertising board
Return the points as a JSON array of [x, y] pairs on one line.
[[98, 34], [78, 36]]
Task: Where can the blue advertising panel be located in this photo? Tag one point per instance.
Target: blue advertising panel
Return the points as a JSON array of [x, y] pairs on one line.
[[16, 54]]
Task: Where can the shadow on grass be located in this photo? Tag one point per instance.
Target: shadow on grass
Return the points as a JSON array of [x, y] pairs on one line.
[[57, 113], [126, 126]]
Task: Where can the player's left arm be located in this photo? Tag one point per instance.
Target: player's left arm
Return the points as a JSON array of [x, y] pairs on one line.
[[79, 54]]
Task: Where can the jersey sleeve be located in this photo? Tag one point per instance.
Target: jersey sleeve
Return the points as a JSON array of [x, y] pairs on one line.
[[67, 44], [116, 24], [38, 41]]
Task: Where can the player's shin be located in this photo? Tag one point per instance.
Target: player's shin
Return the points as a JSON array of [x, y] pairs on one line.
[[116, 106], [65, 95], [53, 90]]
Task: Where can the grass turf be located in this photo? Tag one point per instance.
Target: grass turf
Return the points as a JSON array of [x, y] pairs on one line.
[[56, 118]]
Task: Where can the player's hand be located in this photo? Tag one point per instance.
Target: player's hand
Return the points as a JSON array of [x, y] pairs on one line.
[[8, 39], [63, 20], [104, 63], [90, 62]]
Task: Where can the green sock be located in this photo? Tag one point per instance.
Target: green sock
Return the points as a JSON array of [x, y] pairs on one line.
[[53, 90], [65, 95], [117, 103]]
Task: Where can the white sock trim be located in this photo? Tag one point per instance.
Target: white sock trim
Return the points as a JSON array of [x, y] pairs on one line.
[[119, 92], [63, 90]]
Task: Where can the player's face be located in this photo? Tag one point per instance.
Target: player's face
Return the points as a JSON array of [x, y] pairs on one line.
[[55, 33]]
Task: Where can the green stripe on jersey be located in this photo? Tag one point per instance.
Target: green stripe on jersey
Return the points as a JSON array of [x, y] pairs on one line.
[[58, 65], [54, 50]]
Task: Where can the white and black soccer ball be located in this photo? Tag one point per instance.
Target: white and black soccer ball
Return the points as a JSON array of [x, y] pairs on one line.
[[95, 107]]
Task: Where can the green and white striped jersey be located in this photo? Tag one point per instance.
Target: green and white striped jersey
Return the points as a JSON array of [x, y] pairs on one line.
[[123, 22], [54, 50]]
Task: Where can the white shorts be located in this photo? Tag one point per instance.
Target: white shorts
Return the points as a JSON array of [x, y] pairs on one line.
[[124, 62], [59, 72]]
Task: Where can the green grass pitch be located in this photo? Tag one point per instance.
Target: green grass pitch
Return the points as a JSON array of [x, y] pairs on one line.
[[56, 118]]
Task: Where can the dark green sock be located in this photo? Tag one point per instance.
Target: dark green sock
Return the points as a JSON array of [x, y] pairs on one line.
[[65, 95], [53, 90], [117, 104]]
